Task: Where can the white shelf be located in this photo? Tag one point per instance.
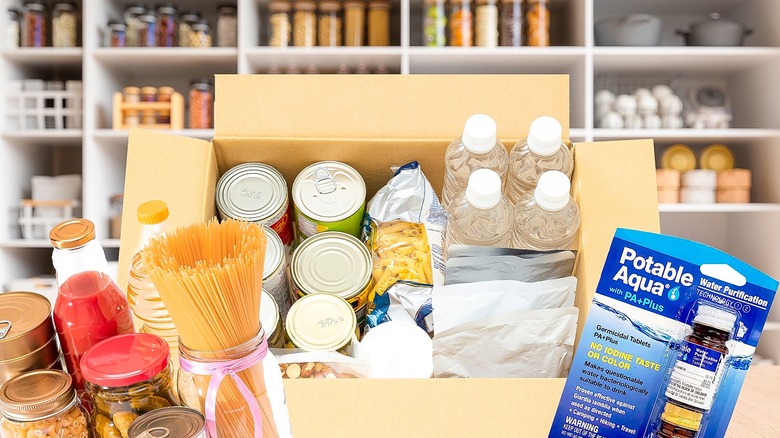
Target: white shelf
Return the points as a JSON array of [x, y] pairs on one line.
[[719, 208], [327, 59], [120, 136], [496, 60], [662, 60], [45, 56], [160, 61], [68, 137], [619, 7], [734, 134]]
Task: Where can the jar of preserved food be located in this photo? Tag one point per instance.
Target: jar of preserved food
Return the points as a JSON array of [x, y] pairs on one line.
[[42, 403], [13, 31], [460, 23], [435, 23], [511, 23], [167, 31], [537, 22], [201, 104], [200, 36], [90, 307], [329, 26], [34, 24], [227, 26], [280, 26], [304, 23], [117, 34], [147, 35], [134, 24], [354, 22], [63, 27], [186, 20], [379, 23], [127, 376], [486, 23]]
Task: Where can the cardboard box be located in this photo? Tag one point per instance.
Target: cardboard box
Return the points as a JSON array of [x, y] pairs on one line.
[[372, 123]]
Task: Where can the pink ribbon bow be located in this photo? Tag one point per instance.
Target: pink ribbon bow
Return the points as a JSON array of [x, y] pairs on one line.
[[218, 371]]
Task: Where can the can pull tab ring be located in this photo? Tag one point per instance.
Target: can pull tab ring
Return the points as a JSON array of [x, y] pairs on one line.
[[155, 432], [5, 327], [324, 181]]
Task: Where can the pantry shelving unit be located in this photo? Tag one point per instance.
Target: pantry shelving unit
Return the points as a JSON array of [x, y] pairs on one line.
[[98, 152]]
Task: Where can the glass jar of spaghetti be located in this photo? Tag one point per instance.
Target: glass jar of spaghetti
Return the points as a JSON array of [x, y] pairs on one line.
[[42, 403], [167, 31], [304, 23], [90, 307], [354, 22], [379, 23], [201, 104], [460, 23], [280, 26], [537, 21], [127, 376], [329, 25], [34, 24]]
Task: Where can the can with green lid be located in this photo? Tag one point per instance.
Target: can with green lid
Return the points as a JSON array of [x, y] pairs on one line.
[[321, 322]]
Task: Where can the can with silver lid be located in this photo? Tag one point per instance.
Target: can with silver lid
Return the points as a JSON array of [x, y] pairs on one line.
[[271, 321], [328, 195], [321, 322], [256, 192], [275, 272], [333, 263], [174, 421]]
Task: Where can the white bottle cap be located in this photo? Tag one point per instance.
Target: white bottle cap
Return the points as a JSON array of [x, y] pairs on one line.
[[479, 134], [544, 136], [484, 189], [715, 318], [552, 191]]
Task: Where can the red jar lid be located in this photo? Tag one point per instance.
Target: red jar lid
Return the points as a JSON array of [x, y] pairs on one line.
[[125, 359]]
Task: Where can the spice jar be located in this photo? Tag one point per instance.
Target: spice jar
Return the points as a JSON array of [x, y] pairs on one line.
[[304, 23], [435, 23], [164, 95], [132, 95], [167, 31], [186, 20], [201, 104], [537, 21], [354, 22], [148, 94], [486, 23], [379, 23], [42, 403], [117, 34], [63, 28], [127, 376], [329, 26], [200, 36], [511, 19], [227, 26], [132, 16], [34, 24], [280, 25], [13, 30], [460, 23]]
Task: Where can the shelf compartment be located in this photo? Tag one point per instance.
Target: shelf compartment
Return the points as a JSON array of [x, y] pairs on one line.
[[67, 137], [691, 60], [169, 60], [45, 56], [683, 135], [327, 59]]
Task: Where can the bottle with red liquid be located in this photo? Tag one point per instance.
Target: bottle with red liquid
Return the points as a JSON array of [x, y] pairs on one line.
[[90, 307]]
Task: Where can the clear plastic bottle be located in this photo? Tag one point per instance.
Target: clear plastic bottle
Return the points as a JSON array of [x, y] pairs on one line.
[[477, 148], [547, 218], [541, 151], [480, 215], [142, 295]]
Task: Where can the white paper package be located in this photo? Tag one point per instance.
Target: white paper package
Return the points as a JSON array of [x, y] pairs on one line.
[[522, 267]]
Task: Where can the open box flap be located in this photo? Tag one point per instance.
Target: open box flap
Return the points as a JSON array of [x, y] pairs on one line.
[[181, 171], [390, 106]]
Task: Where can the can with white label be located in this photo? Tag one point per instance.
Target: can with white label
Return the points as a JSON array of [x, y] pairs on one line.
[[275, 271], [271, 321], [328, 195]]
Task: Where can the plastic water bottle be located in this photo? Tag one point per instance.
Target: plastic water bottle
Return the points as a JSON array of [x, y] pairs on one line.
[[546, 218], [481, 215], [477, 148], [541, 151]]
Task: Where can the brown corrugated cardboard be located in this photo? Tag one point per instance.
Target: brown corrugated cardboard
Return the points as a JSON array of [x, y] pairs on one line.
[[372, 123]]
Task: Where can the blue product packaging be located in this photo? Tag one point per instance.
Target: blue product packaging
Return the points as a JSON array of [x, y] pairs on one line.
[[667, 343]]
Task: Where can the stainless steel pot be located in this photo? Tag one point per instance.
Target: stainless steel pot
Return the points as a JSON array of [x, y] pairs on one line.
[[629, 30], [715, 31]]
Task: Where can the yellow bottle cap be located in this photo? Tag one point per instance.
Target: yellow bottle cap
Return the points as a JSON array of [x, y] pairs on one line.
[[717, 157], [681, 417], [152, 212], [679, 157]]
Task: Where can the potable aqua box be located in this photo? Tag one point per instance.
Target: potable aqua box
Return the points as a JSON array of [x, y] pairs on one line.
[[373, 122]]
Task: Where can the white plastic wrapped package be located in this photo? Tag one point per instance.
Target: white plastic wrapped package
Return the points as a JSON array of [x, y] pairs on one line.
[[404, 301], [522, 267]]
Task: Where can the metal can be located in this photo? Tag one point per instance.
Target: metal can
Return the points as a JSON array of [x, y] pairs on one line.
[[333, 263], [275, 272], [174, 421], [321, 322], [328, 195], [27, 337], [271, 321], [256, 192]]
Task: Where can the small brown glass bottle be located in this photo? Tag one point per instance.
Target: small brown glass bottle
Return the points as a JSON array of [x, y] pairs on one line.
[[678, 422]]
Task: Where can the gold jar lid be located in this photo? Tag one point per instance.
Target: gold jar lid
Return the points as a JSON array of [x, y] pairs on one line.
[[350, 4], [304, 5], [681, 417], [166, 90], [36, 395], [279, 6], [149, 90], [72, 233], [330, 6], [716, 157]]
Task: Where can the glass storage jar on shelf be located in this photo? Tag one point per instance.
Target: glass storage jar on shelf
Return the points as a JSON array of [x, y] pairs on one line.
[[280, 25], [127, 376], [167, 31], [13, 30], [117, 34], [42, 403], [379, 23], [147, 35], [63, 25], [227, 26], [304, 23], [354, 22], [435, 23], [186, 20], [329, 25], [511, 23], [486, 23], [460, 23], [537, 23], [34, 24], [132, 17], [200, 36], [201, 104]]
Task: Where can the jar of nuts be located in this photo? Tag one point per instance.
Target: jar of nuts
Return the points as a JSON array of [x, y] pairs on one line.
[[200, 36], [304, 23], [42, 403], [186, 20], [329, 25], [280, 26], [63, 28], [537, 21]]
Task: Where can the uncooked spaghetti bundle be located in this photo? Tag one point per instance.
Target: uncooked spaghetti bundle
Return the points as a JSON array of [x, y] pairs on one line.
[[209, 276]]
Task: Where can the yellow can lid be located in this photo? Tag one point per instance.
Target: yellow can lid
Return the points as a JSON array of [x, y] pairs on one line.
[[679, 157], [679, 416], [152, 212], [717, 157]]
